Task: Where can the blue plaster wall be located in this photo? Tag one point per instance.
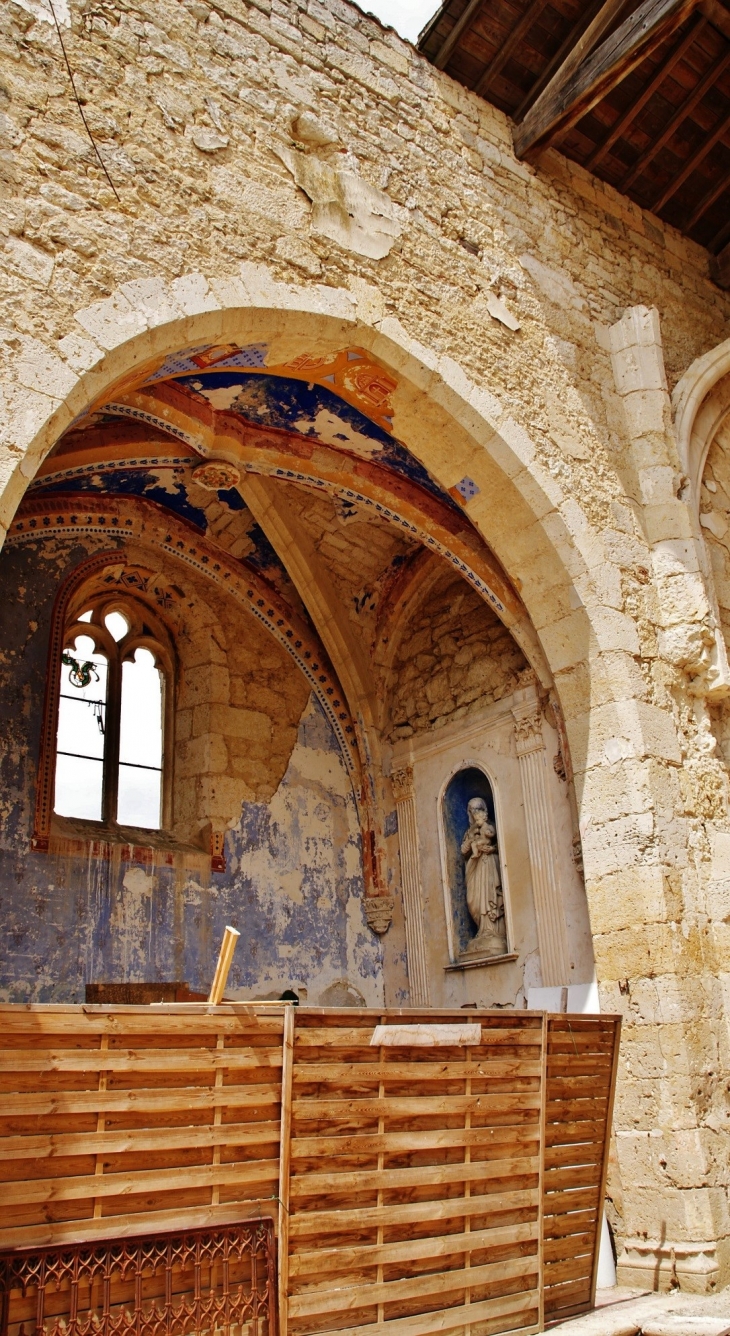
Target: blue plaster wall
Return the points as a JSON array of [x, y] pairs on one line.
[[293, 885]]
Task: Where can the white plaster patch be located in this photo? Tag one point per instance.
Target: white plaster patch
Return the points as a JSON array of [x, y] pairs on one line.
[[29, 261], [131, 920], [331, 430], [221, 397], [41, 9], [345, 207], [555, 283]]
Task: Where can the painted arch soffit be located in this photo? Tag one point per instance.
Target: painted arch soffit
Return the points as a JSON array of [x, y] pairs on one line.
[[319, 422], [111, 520]]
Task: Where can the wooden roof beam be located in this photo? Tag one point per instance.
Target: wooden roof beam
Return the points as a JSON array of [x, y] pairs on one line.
[[674, 122], [566, 45], [575, 90], [697, 156], [441, 59], [706, 203], [632, 112], [502, 55]]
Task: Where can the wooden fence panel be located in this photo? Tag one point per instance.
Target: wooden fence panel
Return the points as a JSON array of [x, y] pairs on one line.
[[419, 1189], [118, 1120], [414, 1189], [582, 1056]]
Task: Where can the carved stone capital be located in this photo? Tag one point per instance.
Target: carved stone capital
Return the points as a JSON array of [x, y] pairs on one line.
[[528, 730], [379, 912], [526, 678], [402, 781]]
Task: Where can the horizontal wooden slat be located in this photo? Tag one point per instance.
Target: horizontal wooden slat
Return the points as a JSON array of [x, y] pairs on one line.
[[391, 1142], [149, 1221], [340, 1073], [451, 1319], [419, 1106], [577, 1267], [316, 1302], [322, 1260], [152, 1180], [162, 1061], [136, 1140], [47, 1019], [351, 1037], [156, 1101], [321, 1222], [373, 1180]]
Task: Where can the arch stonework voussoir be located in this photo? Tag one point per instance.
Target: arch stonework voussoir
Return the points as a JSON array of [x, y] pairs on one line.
[[453, 427]]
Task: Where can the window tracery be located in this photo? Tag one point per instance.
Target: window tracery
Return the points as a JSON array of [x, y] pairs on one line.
[[113, 718]]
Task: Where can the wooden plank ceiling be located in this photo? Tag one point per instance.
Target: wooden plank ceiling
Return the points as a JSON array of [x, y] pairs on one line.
[[639, 94]]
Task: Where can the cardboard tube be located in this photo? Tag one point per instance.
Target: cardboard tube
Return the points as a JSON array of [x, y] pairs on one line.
[[220, 979]]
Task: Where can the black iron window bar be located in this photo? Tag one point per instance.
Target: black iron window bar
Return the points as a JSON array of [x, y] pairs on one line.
[[218, 1280]]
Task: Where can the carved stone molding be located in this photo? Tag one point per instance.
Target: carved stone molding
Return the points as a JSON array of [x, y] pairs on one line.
[[541, 841], [528, 729], [402, 781], [379, 912], [217, 475]]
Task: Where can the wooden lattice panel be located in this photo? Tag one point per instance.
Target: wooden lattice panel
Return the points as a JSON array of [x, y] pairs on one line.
[[216, 1281], [118, 1120], [414, 1188], [581, 1076]]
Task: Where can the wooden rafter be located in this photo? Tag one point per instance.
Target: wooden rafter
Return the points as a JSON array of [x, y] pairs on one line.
[[697, 156], [632, 111], [690, 102], [441, 58], [718, 241], [502, 55], [566, 45], [574, 91], [707, 202]]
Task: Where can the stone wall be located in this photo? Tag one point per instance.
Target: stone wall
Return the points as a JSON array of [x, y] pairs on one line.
[[454, 657], [298, 170]]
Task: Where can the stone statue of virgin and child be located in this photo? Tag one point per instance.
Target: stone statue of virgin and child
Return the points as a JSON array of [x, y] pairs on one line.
[[483, 882]]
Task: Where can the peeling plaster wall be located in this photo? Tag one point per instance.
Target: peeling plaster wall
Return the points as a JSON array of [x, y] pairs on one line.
[[293, 884]]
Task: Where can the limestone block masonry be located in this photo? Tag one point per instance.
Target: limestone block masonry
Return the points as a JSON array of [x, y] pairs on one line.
[[294, 176]]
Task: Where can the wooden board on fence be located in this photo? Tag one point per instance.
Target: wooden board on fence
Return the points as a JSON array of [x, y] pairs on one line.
[[414, 1189], [118, 1120], [420, 1189], [582, 1057]]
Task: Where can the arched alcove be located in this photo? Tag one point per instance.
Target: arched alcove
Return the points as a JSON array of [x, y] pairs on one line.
[[467, 783]]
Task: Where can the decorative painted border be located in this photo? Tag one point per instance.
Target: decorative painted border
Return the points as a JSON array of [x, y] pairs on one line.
[[140, 462]]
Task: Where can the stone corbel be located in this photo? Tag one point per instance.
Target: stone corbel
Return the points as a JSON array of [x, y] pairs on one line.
[[541, 841], [379, 912]]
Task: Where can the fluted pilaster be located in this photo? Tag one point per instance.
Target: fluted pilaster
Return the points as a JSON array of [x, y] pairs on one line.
[[541, 842], [405, 801]]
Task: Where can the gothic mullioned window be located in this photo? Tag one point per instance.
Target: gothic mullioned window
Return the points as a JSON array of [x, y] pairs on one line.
[[114, 685]]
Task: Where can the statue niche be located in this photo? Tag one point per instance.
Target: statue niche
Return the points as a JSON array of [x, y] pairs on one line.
[[483, 882], [473, 870]]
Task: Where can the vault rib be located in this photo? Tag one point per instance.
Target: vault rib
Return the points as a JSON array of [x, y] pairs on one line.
[[297, 551]]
